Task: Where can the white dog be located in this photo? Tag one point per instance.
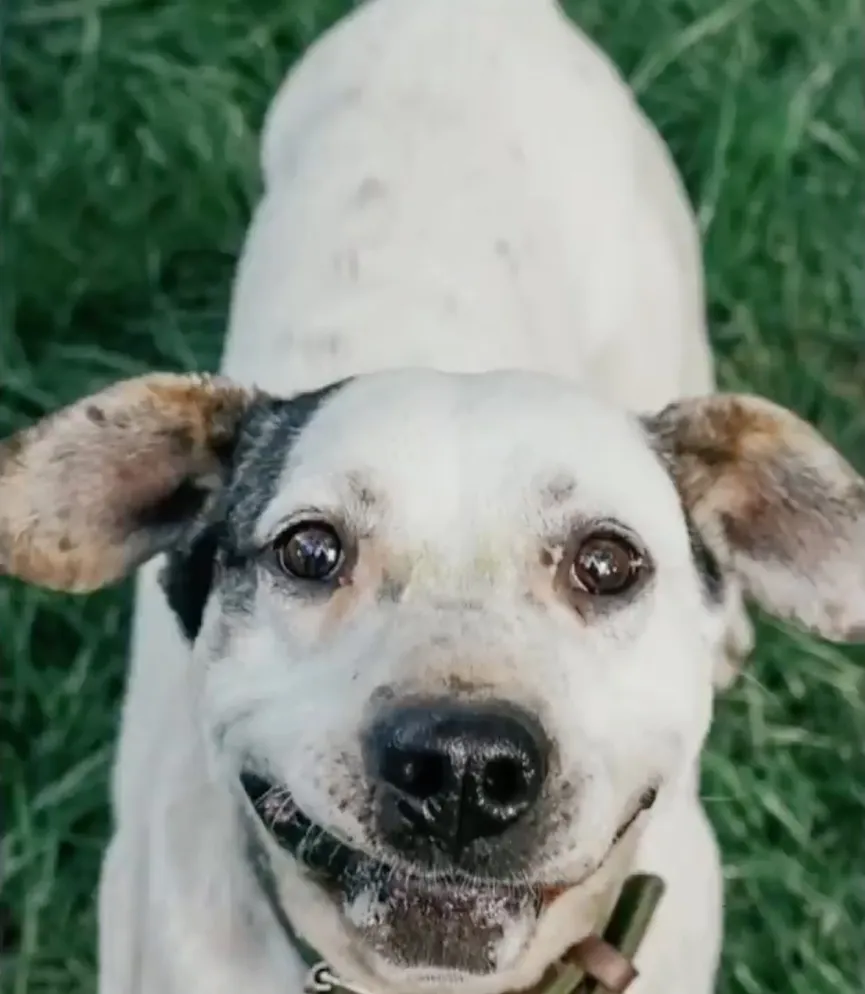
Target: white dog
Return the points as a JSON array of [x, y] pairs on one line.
[[429, 642]]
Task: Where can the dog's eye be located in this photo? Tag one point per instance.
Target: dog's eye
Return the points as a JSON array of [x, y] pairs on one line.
[[310, 550], [605, 564]]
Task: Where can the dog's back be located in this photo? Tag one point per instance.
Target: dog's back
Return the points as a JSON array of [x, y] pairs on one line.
[[467, 184]]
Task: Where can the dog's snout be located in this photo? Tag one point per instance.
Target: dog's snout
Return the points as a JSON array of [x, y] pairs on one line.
[[459, 772]]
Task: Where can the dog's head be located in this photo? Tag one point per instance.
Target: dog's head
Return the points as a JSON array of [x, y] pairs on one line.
[[453, 633]]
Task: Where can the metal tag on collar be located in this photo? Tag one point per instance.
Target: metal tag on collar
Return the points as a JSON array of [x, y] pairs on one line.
[[322, 980]]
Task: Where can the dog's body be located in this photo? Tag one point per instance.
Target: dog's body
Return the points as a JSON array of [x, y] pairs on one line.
[[467, 186]]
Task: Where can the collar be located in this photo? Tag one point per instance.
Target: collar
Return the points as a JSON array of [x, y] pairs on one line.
[[604, 963], [596, 964]]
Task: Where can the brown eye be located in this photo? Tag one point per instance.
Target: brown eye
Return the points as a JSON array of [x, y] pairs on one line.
[[605, 565], [309, 551]]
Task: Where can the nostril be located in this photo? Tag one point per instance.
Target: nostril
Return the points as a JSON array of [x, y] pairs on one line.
[[417, 773], [504, 782]]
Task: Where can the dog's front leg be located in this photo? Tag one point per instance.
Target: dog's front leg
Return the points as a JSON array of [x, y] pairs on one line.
[[120, 920]]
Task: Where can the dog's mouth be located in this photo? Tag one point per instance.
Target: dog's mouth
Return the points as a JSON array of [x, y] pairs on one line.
[[412, 917], [333, 862]]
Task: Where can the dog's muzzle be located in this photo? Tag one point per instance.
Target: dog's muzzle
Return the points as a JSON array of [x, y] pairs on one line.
[[458, 809]]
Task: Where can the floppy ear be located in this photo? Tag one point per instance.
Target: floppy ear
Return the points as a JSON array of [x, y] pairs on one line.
[[92, 491], [784, 504]]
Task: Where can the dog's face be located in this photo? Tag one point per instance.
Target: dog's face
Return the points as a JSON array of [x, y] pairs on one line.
[[452, 634], [458, 623]]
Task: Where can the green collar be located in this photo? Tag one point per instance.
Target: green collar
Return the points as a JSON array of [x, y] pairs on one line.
[[595, 964]]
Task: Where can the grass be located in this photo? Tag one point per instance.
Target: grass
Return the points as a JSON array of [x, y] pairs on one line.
[[128, 172]]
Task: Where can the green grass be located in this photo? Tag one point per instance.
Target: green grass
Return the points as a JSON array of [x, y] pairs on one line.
[[128, 172]]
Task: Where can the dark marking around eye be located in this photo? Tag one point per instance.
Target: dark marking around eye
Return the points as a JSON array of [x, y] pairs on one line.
[[187, 581], [705, 561], [254, 466]]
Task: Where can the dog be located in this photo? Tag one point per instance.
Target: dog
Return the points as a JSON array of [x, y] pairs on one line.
[[440, 576]]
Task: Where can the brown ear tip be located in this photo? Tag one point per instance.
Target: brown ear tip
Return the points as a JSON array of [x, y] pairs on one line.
[[70, 570]]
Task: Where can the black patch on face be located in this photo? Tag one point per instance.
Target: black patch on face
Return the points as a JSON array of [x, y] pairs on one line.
[[705, 561], [267, 435], [263, 444], [174, 510], [707, 565], [188, 579]]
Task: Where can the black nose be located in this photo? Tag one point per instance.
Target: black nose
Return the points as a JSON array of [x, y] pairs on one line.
[[459, 772]]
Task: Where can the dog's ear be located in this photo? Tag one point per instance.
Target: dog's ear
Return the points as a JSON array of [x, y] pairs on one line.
[[787, 509], [92, 491]]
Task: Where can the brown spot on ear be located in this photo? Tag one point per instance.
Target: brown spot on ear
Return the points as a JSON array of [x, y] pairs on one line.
[[707, 440], [76, 487], [763, 484], [757, 471], [181, 440]]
